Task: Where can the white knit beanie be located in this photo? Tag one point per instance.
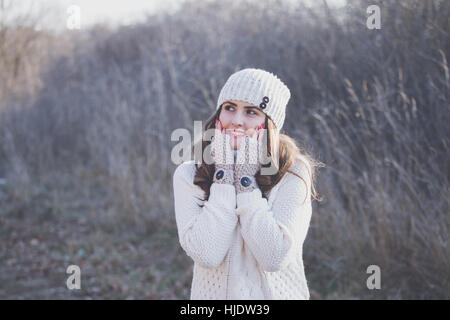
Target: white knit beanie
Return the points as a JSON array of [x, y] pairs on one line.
[[260, 88]]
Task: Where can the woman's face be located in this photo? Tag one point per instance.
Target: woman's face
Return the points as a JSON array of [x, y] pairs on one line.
[[240, 118]]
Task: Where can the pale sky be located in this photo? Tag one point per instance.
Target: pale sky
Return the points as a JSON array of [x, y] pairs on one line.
[[112, 12], [116, 11]]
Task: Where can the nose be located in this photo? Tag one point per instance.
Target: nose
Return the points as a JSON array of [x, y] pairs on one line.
[[237, 120]]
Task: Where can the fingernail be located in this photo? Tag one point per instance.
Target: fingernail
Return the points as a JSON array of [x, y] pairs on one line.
[[263, 125]]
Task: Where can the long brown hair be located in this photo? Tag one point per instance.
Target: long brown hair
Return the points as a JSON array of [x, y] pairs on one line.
[[288, 150]]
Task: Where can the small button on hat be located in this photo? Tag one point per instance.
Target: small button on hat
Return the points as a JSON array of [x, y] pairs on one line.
[[260, 88]]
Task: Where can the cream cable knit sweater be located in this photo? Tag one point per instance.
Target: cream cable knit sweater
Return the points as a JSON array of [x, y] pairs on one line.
[[244, 246]]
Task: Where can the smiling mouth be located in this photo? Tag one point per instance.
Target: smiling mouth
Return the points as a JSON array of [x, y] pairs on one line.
[[236, 133]]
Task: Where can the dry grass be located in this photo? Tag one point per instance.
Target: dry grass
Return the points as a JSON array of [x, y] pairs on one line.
[[85, 146]]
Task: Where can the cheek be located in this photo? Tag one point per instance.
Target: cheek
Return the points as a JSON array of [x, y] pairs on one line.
[[224, 119], [257, 122]]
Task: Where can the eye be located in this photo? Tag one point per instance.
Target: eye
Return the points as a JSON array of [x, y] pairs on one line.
[[229, 107], [252, 112]]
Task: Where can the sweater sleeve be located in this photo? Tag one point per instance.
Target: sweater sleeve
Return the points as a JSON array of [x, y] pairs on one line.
[[274, 234], [205, 233]]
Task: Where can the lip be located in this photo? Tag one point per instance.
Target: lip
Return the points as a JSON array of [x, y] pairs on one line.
[[236, 133]]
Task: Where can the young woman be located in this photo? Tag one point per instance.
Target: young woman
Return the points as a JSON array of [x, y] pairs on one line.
[[245, 228]]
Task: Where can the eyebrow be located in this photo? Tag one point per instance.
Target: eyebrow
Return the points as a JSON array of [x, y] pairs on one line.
[[253, 107]]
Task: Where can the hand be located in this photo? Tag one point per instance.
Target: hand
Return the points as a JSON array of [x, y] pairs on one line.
[[222, 155], [248, 160]]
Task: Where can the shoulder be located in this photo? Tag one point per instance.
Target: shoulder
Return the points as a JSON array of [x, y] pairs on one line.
[[302, 167], [185, 172], [183, 181], [299, 175]]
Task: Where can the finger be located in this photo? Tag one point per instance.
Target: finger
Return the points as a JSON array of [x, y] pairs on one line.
[[244, 143], [253, 151], [224, 149], [240, 158], [245, 148], [255, 134], [262, 146], [217, 127], [250, 132], [237, 142], [229, 155], [260, 133], [261, 136]]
